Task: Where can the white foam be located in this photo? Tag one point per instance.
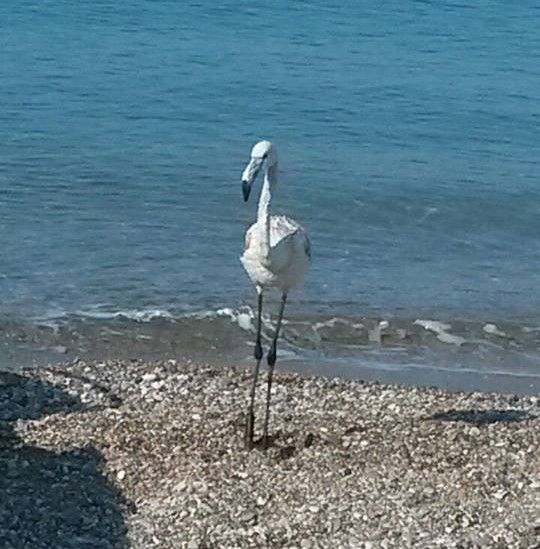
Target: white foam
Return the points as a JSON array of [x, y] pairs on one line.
[[54, 326], [224, 311], [445, 337], [330, 323], [142, 316], [433, 325], [530, 329], [139, 315], [287, 354], [244, 317], [440, 328], [492, 329], [244, 321]]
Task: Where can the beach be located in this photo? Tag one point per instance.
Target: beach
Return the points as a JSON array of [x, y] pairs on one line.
[[150, 454], [406, 403]]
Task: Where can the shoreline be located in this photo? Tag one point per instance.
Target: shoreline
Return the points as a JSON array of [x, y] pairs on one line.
[[455, 356], [353, 464]]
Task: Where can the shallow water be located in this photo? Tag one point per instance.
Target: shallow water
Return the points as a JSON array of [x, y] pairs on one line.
[[461, 356], [408, 139]]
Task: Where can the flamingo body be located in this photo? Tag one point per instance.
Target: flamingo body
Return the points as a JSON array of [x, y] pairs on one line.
[[288, 261]]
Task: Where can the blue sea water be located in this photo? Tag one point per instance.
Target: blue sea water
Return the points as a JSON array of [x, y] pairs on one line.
[[408, 135]]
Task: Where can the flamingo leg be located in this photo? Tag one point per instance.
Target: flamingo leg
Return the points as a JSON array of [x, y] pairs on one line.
[[272, 355], [258, 353]]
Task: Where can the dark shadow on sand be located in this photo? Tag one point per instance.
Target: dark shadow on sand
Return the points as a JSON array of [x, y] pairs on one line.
[[483, 417], [51, 499]]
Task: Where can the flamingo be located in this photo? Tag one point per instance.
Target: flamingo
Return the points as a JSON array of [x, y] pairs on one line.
[[276, 255]]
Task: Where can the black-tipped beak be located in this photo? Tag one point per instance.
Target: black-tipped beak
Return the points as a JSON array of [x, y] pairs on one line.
[[246, 189], [249, 175]]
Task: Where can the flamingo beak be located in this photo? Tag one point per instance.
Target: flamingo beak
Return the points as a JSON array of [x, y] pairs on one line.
[[249, 176], [246, 189]]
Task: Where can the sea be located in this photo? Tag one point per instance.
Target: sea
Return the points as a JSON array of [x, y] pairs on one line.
[[408, 138]]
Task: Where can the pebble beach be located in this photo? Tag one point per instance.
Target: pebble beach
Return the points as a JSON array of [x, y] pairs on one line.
[[139, 454]]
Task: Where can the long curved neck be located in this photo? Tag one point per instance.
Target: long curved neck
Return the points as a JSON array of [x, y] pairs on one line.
[[263, 212]]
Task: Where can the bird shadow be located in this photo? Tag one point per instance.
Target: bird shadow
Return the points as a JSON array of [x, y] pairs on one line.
[[482, 417], [52, 498], [274, 444]]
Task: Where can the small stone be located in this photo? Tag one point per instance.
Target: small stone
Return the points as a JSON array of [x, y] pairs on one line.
[[308, 441], [181, 486], [149, 377], [250, 517], [121, 475]]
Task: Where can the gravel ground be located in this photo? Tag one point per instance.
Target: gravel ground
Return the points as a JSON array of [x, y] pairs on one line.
[[133, 454]]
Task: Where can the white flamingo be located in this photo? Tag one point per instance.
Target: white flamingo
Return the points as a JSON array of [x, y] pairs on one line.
[[276, 255]]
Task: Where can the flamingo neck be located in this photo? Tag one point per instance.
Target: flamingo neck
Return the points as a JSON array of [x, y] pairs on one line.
[[263, 213]]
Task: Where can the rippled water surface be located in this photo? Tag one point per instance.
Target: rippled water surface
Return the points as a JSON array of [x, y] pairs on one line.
[[408, 138]]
